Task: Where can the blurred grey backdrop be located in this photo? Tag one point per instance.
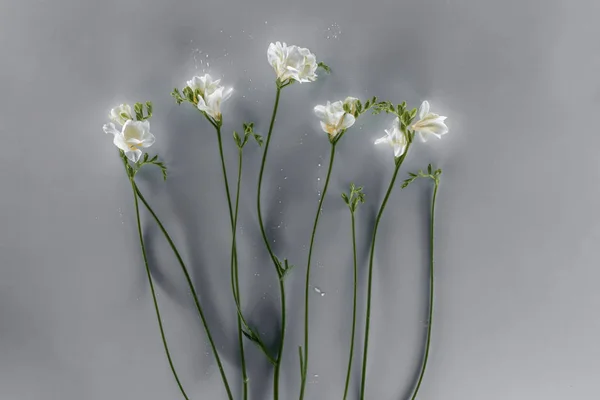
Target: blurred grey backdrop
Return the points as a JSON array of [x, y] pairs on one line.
[[518, 224]]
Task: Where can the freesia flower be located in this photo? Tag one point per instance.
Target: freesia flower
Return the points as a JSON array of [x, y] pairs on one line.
[[204, 84], [292, 62], [120, 114], [133, 136], [211, 95], [429, 123], [333, 118], [395, 138]]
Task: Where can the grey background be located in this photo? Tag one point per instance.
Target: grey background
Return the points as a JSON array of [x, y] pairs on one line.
[[518, 226]]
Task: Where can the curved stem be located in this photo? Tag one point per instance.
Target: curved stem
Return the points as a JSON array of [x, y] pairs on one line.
[[307, 283], [270, 250], [431, 269], [234, 260], [399, 162], [281, 341], [353, 308], [235, 284], [192, 290], [149, 274]]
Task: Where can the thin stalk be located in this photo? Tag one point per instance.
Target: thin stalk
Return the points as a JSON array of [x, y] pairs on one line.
[[353, 308], [370, 279], [234, 260], [270, 250], [152, 290], [192, 290], [235, 283], [307, 283], [431, 270]]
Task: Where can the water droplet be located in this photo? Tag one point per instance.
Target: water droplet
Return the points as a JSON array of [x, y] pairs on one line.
[[285, 177], [265, 22], [319, 165], [318, 179], [316, 375], [221, 30], [319, 291]]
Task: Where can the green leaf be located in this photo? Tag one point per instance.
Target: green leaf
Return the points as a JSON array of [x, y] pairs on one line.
[[429, 169], [324, 66], [345, 197], [148, 109], [177, 96], [139, 114], [237, 139], [408, 181], [258, 138], [188, 93]]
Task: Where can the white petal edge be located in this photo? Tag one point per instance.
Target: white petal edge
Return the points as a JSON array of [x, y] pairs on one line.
[[424, 109], [110, 128]]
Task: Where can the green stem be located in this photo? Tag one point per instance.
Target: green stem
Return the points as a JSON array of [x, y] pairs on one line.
[[270, 250], [431, 269], [149, 274], [353, 308], [192, 290], [399, 162], [235, 283], [307, 283], [234, 260]]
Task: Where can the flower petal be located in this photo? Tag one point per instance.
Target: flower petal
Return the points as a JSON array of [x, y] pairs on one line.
[[133, 155], [347, 121], [226, 94], [424, 109], [149, 140], [384, 139], [321, 112], [399, 149], [326, 128], [110, 128]]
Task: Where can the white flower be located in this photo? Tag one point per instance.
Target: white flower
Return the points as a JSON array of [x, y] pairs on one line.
[[333, 118], [292, 62], [211, 95], [395, 138], [120, 114], [429, 123], [133, 136], [211, 103], [204, 84], [351, 103]]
